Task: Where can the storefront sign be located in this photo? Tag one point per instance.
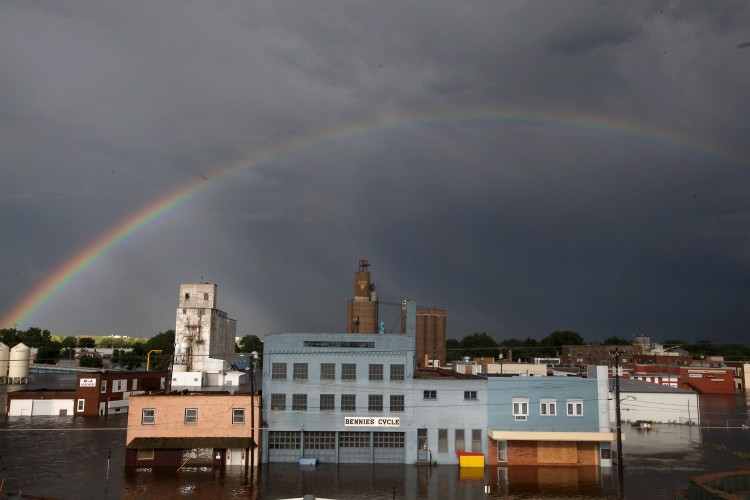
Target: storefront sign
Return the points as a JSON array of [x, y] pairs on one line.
[[88, 382], [372, 422]]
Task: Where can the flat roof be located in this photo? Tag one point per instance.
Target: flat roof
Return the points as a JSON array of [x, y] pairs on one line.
[[629, 385]]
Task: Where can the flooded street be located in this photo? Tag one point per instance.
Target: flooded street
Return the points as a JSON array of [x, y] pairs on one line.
[[66, 458]]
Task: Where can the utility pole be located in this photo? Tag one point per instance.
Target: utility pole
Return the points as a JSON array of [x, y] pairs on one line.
[[620, 471]]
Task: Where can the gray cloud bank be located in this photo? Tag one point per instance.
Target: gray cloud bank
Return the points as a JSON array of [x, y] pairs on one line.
[[635, 222]]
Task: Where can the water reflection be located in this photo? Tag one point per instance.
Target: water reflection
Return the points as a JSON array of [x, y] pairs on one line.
[[66, 457]]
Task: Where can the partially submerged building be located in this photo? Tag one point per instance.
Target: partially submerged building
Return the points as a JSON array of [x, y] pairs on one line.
[[193, 429], [343, 398], [550, 420], [95, 394]]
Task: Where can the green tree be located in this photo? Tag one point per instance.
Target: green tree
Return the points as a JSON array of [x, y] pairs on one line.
[[616, 341], [130, 360], [477, 345], [9, 337], [163, 341], [86, 343], [452, 349], [250, 343], [48, 353], [90, 361], [521, 350], [35, 337], [69, 342]]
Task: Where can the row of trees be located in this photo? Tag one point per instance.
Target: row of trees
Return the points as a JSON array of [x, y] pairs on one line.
[[481, 344]]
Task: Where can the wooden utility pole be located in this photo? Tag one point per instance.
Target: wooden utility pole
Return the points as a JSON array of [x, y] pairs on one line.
[[620, 472]]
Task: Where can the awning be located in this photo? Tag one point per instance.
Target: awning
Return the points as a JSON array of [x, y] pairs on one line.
[[185, 443]]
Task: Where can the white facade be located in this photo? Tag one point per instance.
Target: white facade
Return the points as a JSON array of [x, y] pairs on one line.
[[29, 407], [204, 335], [651, 402]]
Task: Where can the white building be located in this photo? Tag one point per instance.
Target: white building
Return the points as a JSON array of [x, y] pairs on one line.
[[651, 402], [204, 340]]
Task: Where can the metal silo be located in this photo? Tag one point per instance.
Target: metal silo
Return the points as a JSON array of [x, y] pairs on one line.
[[4, 357], [18, 367]]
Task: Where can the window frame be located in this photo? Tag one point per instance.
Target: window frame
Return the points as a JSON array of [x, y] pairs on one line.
[[191, 419], [330, 402], [348, 402], [576, 405], [276, 371], [548, 407], [299, 371], [235, 416], [520, 409], [398, 372], [375, 402], [429, 395], [442, 440], [278, 402], [148, 419], [395, 405], [299, 402], [327, 371], [348, 371], [470, 396], [375, 371]]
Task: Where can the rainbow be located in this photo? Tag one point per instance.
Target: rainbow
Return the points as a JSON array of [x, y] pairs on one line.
[[82, 259]]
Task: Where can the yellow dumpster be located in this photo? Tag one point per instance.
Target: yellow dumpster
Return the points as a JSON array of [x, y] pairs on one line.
[[468, 459]]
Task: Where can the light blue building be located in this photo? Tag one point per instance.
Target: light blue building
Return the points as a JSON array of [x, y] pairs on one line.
[[550, 420], [358, 398]]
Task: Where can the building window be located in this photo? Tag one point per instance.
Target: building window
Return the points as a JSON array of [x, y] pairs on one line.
[[238, 415], [327, 371], [81, 404], [278, 371], [388, 439], [191, 415], [119, 385], [320, 440], [348, 402], [327, 402], [460, 443], [299, 402], [135, 384], [148, 416], [299, 371], [442, 439], [430, 394], [104, 386], [397, 372], [205, 296], [376, 372], [521, 408], [397, 402], [284, 440], [354, 439], [575, 407], [375, 402], [476, 440], [145, 454], [470, 395], [187, 296], [547, 407], [278, 402], [348, 371]]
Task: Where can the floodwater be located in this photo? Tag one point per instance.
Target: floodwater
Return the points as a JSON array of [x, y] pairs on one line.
[[67, 458]]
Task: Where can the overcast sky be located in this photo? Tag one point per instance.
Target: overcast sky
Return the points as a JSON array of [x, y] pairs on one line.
[[545, 165]]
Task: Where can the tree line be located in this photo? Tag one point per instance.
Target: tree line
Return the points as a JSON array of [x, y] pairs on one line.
[[481, 344]]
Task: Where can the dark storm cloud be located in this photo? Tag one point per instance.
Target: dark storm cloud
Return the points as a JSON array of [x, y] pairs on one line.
[[515, 228]]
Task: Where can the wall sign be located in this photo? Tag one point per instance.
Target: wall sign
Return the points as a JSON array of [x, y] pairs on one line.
[[88, 382], [372, 422]]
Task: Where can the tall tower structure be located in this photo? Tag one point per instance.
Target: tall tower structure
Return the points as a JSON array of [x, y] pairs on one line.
[[430, 337], [362, 311], [201, 330]]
